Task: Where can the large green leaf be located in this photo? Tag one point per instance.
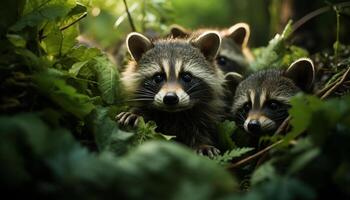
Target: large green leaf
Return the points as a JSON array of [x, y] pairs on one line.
[[37, 12], [108, 80], [107, 134], [225, 131], [63, 94]]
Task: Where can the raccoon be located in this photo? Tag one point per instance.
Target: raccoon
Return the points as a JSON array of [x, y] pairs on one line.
[[175, 83], [234, 54], [262, 100]]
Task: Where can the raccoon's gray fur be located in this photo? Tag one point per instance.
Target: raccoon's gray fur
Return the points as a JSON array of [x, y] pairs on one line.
[[261, 101], [234, 54], [175, 83]]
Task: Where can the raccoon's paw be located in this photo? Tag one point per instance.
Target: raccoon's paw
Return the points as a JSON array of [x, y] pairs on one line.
[[127, 118], [207, 150]]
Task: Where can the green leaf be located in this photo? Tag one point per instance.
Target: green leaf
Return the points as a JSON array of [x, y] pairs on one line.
[[302, 160], [301, 116], [16, 40], [184, 175], [263, 173], [108, 80], [53, 41], [108, 136], [63, 94], [229, 155], [147, 131], [37, 12], [225, 131], [59, 42], [278, 53], [74, 70], [82, 53]]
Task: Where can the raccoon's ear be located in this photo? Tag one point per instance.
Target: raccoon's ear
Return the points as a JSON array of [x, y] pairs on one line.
[[137, 45], [239, 33], [232, 80], [208, 43], [302, 72], [178, 31]]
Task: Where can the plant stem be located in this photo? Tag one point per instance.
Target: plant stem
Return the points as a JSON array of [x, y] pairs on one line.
[[69, 25], [249, 158], [131, 22], [336, 44], [342, 80]]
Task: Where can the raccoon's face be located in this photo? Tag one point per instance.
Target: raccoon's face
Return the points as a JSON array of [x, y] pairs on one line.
[[174, 75], [231, 58], [234, 54], [262, 100]]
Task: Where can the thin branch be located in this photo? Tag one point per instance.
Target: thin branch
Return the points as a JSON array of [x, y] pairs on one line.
[[339, 83], [317, 12], [74, 22], [283, 126], [252, 157], [131, 22], [69, 25], [325, 89], [309, 16]]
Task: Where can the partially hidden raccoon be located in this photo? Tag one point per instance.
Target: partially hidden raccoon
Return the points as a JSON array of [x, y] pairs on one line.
[[175, 83], [234, 54], [262, 100]]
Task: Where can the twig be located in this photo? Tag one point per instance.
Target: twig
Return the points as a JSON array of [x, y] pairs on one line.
[[69, 25], [131, 22], [325, 89], [74, 22], [331, 90], [249, 158], [283, 126], [315, 13]]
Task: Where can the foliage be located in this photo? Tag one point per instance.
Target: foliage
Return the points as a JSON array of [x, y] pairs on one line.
[[231, 154], [279, 53], [59, 138], [48, 162]]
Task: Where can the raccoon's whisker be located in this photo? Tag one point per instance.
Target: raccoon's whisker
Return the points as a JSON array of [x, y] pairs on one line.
[[144, 95], [192, 87], [140, 99], [144, 92]]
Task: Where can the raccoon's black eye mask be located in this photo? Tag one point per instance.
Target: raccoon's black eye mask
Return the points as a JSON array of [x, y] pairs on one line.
[[228, 65], [271, 108]]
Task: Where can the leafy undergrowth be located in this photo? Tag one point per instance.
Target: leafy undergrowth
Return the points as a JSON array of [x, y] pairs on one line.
[[59, 138]]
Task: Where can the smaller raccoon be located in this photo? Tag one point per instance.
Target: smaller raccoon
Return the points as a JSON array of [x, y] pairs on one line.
[[234, 54], [261, 101], [175, 83]]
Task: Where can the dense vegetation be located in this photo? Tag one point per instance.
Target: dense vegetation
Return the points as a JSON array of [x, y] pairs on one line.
[[59, 138]]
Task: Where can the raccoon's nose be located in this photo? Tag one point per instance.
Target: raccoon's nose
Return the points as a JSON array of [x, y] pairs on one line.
[[254, 126], [170, 99]]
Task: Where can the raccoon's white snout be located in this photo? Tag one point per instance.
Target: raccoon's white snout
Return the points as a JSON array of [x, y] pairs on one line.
[[176, 99], [170, 99], [257, 124]]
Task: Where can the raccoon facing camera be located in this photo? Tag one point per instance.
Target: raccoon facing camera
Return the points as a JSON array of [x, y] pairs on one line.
[[262, 100], [234, 54], [175, 83]]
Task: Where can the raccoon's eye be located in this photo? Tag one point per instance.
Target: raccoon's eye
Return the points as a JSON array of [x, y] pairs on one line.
[[158, 78], [246, 107], [221, 60], [272, 104], [186, 77]]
